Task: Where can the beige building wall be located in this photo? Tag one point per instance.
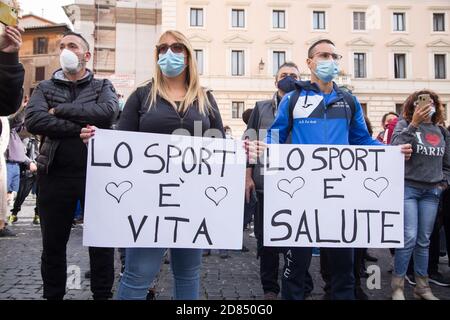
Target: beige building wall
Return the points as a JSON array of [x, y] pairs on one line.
[[124, 32], [47, 60], [258, 39]]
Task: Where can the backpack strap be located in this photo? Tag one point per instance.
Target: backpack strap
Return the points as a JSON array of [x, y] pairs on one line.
[[348, 98]]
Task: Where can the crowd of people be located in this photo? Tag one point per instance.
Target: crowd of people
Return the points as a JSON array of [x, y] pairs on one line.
[[43, 151]]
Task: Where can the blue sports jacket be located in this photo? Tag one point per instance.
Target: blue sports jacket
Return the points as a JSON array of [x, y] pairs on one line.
[[320, 119]]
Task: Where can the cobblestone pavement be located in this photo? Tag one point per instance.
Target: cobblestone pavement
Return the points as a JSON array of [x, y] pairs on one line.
[[233, 278]]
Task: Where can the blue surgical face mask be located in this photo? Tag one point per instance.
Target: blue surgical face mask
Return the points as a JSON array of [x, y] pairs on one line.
[[171, 64], [327, 70], [286, 84]]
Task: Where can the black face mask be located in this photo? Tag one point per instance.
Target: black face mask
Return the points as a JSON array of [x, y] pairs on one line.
[[286, 84]]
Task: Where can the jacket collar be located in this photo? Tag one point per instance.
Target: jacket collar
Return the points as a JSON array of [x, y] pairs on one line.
[[59, 77]]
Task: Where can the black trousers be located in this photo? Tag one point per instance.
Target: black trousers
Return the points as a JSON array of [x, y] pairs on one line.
[[26, 185], [57, 200], [337, 268], [269, 257]]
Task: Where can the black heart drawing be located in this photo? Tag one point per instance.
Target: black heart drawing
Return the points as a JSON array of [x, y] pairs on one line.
[[291, 187], [377, 186], [216, 195], [118, 190]]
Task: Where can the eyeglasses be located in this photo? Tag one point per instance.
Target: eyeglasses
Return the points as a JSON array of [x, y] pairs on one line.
[[327, 55], [174, 47]]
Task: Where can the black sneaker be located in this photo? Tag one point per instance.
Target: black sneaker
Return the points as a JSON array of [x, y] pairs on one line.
[[410, 278], [6, 232], [439, 279]]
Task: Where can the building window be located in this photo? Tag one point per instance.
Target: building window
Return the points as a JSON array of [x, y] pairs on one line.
[[319, 20], [40, 45], [440, 68], [359, 21], [438, 22], [199, 58], [237, 63], [399, 21], [400, 66], [279, 57], [196, 17], [237, 108], [39, 74], [360, 65], [238, 18], [399, 108], [279, 19]]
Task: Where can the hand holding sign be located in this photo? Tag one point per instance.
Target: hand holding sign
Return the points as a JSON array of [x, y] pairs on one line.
[[333, 196], [87, 133], [162, 191]]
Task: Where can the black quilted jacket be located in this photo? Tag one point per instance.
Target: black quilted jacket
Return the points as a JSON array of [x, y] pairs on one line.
[[76, 104]]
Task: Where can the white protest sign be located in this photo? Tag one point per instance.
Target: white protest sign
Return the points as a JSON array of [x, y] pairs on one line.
[[166, 191], [333, 196]]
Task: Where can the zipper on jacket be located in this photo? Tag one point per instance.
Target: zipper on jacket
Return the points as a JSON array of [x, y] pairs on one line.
[[72, 91]]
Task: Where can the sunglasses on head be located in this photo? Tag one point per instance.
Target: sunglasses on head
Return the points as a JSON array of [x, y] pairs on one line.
[[174, 47]]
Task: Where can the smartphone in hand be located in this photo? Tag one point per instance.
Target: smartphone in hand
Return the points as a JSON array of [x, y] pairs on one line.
[[9, 14]]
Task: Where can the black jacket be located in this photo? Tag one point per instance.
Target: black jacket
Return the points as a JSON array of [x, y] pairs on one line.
[[164, 119], [11, 82], [76, 104]]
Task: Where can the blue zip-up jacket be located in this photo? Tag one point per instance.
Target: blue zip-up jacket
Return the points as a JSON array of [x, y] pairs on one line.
[[316, 121]]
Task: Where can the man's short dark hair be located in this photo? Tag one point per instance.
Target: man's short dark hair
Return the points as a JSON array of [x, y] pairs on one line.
[[246, 115], [71, 33], [288, 64], [388, 114], [315, 44]]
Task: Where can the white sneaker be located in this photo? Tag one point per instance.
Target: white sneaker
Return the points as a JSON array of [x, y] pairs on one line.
[[252, 235]]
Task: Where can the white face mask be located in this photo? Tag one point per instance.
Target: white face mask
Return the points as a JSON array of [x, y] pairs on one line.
[[69, 62]]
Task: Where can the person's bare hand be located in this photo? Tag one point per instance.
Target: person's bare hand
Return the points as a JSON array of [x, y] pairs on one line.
[[87, 133], [249, 185], [407, 150], [12, 39], [421, 114], [33, 167]]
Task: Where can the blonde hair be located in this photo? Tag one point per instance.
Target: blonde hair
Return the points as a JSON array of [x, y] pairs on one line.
[[194, 90]]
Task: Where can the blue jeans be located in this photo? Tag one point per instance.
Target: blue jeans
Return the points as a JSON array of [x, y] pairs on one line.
[[143, 264], [420, 208], [13, 176]]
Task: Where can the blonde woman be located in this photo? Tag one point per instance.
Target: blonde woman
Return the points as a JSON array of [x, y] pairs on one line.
[[173, 100]]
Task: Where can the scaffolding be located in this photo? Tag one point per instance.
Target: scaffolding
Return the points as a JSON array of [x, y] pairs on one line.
[[105, 37]]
